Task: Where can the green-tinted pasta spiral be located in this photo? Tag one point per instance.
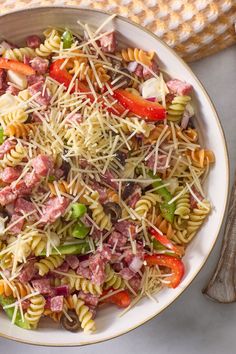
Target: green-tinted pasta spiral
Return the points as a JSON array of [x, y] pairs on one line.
[[183, 205], [48, 263], [113, 280], [19, 53], [176, 108], [35, 310]]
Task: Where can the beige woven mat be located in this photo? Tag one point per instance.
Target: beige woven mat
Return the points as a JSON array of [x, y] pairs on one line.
[[194, 28]]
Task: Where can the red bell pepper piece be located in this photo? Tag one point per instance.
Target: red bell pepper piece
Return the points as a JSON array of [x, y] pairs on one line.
[[175, 264], [151, 111], [17, 66], [120, 299], [163, 239]]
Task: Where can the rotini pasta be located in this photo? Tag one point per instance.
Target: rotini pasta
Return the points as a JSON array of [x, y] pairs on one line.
[[17, 288], [17, 116], [50, 45], [78, 283], [201, 157], [19, 53], [145, 203], [139, 55], [35, 310], [62, 186], [176, 108], [14, 156], [48, 263], [20, 130], [183, 205], [113, 280]]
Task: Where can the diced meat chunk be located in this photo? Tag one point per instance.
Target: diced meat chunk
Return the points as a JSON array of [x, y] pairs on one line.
[[126, 273], [108, 178], [62, 290], [31, 179], [139, 71], [3, 79], [33, 41], [108, 42], [106, 253], [102, 191], [193, 201], [40, 65], [23, 206], [129, 255], [64, 267], [42, 285], [135, 283], [7, 196], [17, 224], [89, 299], [10, 174], [179, 87], [73, 261], [10, 208], [20, 188], [12, 90], [28, 272], [118, 239], [56, 303], [6, 147], [53, 209], [160, 165], [42, 164], [34, 79], [147, 74], [126, 228], [44, 98], [85, 272], [97, 267]]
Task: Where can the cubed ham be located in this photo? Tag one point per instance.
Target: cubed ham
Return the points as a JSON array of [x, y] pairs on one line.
[[126, 228], [135, 283], [108, 178], [127, 273], [56, 303], [28, 272], [42, 285], [160, 165], [7, 196], [20, 188], [31, 179], [147, 74], [108, 42], [3, 78], [44, 98], [72, 261], [6, 147], [34, 79], [17, 224], [53, 209], [62, 290], [33, 41], [23, 206], [42, 165], [89, 299], [179, 87], [10, 174], [40, 65], [118, 239], [97, 267]]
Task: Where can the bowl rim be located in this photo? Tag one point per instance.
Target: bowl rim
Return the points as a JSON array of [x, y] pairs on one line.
[[226, 153]]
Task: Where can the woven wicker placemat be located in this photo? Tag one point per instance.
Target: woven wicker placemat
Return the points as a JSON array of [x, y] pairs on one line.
[[194, 28]]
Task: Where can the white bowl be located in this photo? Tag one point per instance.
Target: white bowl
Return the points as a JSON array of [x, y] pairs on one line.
[[15, 27]]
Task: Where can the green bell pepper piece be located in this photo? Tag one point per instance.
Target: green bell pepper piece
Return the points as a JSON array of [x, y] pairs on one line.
[[80, 231], [78, 210], [67, 39], [78, 248], [167, 210], [10, 311]]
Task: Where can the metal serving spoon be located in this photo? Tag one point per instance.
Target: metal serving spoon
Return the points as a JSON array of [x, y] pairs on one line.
[[222, 286]]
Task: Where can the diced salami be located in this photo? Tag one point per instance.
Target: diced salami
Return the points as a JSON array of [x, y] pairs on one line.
[[31, 179], [64, 267], [89, 299], [17, 222], [108, 42], [42, 285], [73, 261], [129, 255], [97, 267], [3, 78], [106, 253], [53, 209], [40, 65], [44, 98], [10, 174], [62, 290], [179, 87], [101, 190], [134, 198], [56, 303], [118, 239], [34, 79], [6, 147], [28, 272], [135, 283], [147, 74], [42, 164], [127, 273], [108, 178], [193, 201], [12, 89], [85, 272], [25, 304], [26, 60], [23, 206], [160, 165], [20, 188], [7, 196], [33, 41], [126, 228], [10, 208]]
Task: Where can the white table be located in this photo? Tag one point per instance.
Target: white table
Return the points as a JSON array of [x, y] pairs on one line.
[[193, 324]]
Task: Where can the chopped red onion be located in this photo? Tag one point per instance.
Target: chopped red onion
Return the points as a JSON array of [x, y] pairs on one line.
[[151, 99], [132, 66], [136, 264]]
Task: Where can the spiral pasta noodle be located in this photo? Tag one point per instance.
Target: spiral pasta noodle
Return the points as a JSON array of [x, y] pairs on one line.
[[17, 116], [139, 126], [98, 214], [201, 157], [20, 130], [35, 310], [113, 280], [14, 156], [176, 108], [50, 45], [78, 283], [62, 186], [196, 218], [55, 316], [84, 314], [183, 204], [163, 225], [48, 263], [38, 243], [112, 196], [139, 55], [24, 95], [19, 53], [83, 70], [20, 288], [145, 203]]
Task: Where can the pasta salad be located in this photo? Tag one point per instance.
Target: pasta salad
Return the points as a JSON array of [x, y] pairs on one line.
[[101, 177]]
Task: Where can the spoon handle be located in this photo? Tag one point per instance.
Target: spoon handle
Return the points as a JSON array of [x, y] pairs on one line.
[[222, 286]]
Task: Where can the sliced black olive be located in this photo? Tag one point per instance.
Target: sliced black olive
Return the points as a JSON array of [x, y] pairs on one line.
[[121, 157], [114, 210], [128, 190], [72, 325], [122, 78], [65, 166]]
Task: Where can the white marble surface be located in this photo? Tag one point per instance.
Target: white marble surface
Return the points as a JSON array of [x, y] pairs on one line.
[[193, 324]]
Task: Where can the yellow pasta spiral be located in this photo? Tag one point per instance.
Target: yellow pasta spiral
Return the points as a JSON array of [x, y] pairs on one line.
[[196, 218], [38, 243], [183, 204], [139, 55], [50, 45], [78, 283], [14, 156], [83, 70], [176, 108], [20, 130], [61, 185], [17, 116], [19, 53], [201, 157], [24, 95], [113, 280], [35, 310], [48, 263], [98, 214], [20, 288], [84, 314], [146, 202]]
